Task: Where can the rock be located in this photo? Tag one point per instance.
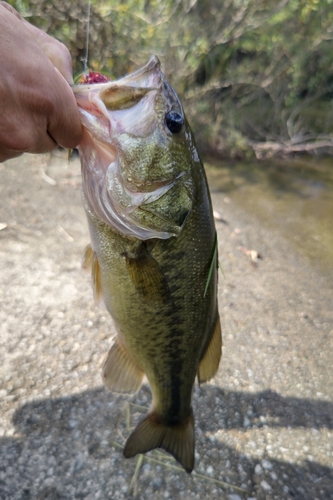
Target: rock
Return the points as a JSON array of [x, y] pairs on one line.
[[265, 486], [246, 422], [258, 470], [266, 464]]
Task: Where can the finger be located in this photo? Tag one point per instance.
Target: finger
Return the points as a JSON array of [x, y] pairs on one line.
[[64, 125], [42, 111], [11, 10], [7, 155], [26, 132]]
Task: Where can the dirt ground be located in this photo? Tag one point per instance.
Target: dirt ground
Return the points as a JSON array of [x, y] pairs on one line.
[[264, 425]]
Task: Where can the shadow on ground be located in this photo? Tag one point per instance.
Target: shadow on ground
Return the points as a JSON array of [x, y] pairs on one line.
[[76, 439]]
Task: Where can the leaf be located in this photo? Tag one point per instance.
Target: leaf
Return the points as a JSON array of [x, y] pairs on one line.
[[211, 267]]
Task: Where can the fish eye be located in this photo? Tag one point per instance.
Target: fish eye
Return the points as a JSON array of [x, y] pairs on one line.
[[174, 121]]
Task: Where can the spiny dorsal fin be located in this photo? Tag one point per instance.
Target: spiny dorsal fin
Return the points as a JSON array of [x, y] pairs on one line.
[[152, 432], [210, 361], [120, 373]]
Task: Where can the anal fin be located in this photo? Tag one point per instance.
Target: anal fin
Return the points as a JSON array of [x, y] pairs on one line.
[[120, 372], [210, 361], [177, 439]]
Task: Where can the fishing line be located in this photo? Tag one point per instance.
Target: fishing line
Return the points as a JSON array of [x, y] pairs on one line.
[[85, 60]]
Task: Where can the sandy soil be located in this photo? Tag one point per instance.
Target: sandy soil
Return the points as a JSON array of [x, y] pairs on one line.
[[264, 425]]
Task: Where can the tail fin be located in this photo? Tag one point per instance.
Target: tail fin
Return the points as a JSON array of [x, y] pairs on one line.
[[152, 432]]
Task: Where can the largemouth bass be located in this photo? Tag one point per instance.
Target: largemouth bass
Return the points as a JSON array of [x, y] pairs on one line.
[[153, 250]]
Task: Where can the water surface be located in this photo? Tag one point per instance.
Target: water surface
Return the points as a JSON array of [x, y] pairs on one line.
[[293, 196]]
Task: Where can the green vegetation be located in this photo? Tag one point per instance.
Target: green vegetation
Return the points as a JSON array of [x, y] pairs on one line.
[[254, 75]]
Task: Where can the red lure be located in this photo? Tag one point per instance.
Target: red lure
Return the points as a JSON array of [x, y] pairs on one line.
[[94, 77]]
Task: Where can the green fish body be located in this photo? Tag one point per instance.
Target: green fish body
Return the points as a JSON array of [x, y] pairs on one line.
[[153, 251]]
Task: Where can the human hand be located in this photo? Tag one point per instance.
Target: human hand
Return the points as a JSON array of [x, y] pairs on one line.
[[38, 110]]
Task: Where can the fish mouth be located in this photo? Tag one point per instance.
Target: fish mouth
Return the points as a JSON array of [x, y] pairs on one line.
[[111, 108], [149, 75], [115, 114], [139, 87], [122, 93]]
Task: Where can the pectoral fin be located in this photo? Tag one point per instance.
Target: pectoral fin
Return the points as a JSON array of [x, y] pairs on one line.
[[147, 276], [90, 263], [152, 432], [210, 361], [120, 372], [87, 258], [96, 279]]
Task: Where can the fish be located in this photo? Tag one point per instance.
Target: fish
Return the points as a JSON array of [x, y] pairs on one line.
[[153, 252]]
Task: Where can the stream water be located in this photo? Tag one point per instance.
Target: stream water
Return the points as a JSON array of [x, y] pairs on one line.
[[293, 196]]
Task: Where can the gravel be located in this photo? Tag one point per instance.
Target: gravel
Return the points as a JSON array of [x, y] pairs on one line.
[[264, 424]]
